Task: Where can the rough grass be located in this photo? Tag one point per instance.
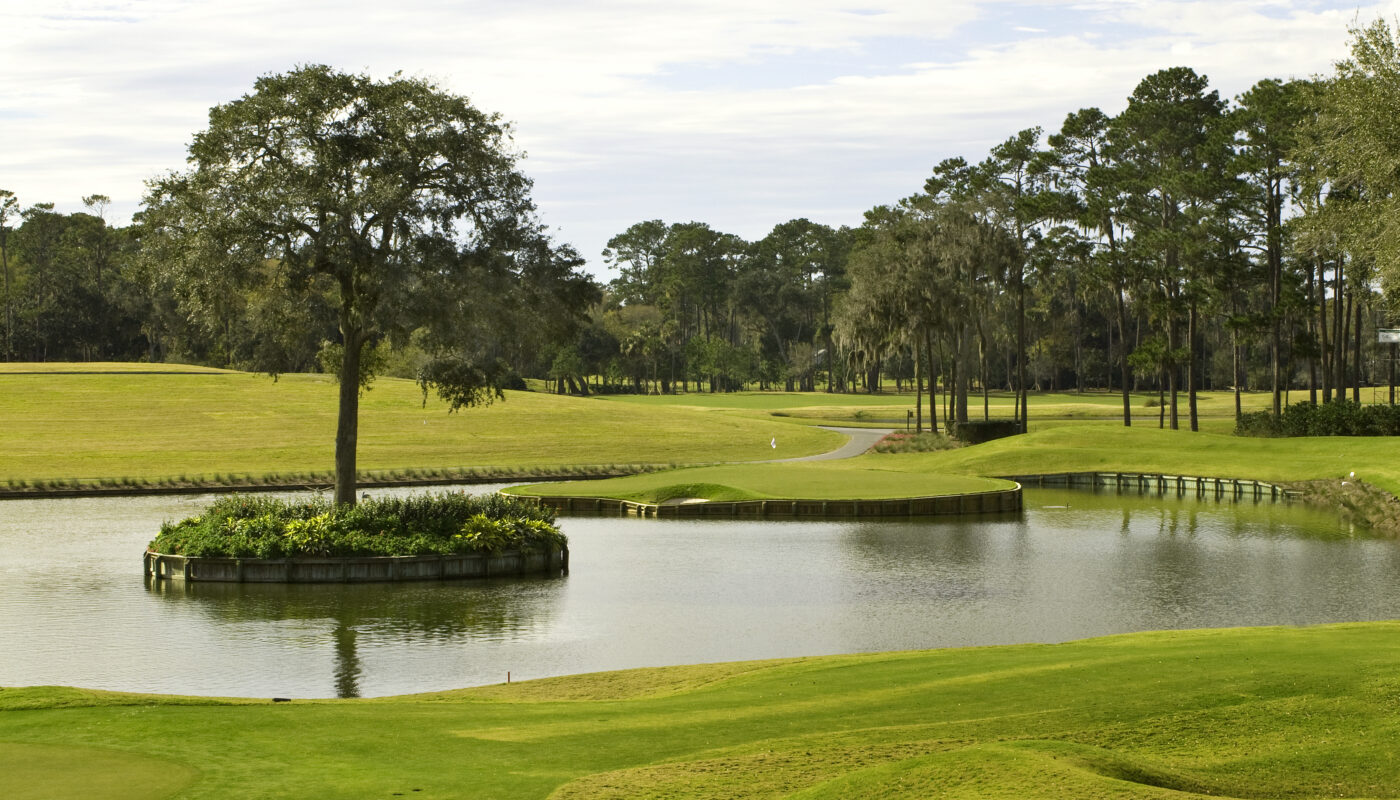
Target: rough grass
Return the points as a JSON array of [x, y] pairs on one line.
[[1271, 712], [792, 481], [58, 427]]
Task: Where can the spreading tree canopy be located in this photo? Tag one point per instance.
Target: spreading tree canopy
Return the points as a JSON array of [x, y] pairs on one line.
[[388, 209]]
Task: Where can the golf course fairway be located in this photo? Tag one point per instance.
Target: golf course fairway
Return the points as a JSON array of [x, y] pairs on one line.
[[1263, 712]]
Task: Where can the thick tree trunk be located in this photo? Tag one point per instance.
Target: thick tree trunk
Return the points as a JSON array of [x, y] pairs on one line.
[[9, 304], [1161, 401], [918, 389], [1235, 371], [932, 385], [1339, 358], [982, 358], [1275, 256], [1356, 356], [1021, 351], [348, 418], [1123, 359], [1324, 338], [964, 372], [1172, 372], [950, 401], [1311, 324], [1191, 369]]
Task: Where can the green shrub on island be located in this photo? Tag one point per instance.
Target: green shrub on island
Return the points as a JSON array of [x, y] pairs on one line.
[[1338, 418], [241, 526]]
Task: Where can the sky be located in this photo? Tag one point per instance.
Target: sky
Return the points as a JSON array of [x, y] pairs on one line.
[[739, 113]]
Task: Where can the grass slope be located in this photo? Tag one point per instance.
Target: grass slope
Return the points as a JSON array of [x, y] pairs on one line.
[[793, 481], [94, 421], [120, 424], [1115, 448], [1273, 712]]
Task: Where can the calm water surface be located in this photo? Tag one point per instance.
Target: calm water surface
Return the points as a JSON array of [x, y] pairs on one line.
[[75, 609]]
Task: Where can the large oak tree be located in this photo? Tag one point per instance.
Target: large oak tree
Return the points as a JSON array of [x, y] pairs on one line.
[[394, 206]]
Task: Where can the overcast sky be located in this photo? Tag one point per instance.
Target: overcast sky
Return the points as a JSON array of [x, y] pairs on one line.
[[739, 113]]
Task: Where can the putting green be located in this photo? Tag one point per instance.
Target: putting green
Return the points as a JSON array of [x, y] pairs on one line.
[[44, 772]]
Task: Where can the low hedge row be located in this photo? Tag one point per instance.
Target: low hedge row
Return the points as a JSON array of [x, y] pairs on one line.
[[1338, 418], [243, 526]]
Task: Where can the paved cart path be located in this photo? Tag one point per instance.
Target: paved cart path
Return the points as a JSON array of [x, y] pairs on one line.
[[862, 439]]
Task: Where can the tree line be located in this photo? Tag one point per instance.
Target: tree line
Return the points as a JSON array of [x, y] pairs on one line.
[[1190, 242]]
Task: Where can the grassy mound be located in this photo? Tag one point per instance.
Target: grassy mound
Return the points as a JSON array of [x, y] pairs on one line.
[[1264, 712], [834, 480], [242, 526]]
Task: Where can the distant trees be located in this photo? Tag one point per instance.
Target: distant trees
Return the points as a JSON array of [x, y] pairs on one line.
[[1170, 239], [9, 209], [65, 284], [1173, 162], [1188, 242], [694, 304]]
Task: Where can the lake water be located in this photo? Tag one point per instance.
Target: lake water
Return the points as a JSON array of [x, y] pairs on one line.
[[76, 610]]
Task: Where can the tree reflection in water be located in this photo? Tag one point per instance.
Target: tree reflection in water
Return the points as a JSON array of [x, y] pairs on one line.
[[347, 663], [360, 615]]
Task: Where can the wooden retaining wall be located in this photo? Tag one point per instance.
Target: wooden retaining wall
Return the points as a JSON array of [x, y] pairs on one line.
[[355, 569], [993, 502], [1156, 483]]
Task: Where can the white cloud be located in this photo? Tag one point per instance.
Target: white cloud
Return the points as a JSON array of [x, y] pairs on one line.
[[825, 107]]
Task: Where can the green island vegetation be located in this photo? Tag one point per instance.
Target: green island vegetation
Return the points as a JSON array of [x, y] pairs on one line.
[[242, 526], [1264, 712]]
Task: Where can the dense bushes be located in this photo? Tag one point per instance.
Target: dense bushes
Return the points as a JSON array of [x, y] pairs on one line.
[[241, 526], [1341, 418]]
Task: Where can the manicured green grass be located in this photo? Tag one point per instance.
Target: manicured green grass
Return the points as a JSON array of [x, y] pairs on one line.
[[103, 367], [1048, 409], [764, 401], [46, 772], [1082, 448], [114, 423], [1271, 712], [828, 480], [142, 426]]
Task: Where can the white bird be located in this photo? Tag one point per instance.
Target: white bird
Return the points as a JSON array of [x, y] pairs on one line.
[[774, 443]]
